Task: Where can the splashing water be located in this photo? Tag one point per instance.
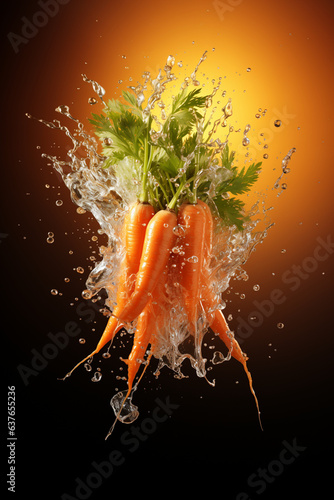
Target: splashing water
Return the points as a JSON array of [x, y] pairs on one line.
[[108, 196], [285, 170]]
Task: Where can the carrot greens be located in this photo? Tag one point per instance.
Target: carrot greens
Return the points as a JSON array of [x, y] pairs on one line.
[[175, 162]]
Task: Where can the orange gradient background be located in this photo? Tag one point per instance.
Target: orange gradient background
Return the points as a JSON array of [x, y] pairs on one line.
[[288, 47]]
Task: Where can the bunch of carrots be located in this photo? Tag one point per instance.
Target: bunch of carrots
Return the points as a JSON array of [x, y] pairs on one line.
[[175, 208]]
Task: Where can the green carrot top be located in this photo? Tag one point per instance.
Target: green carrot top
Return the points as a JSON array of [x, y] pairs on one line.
[[176, 159]]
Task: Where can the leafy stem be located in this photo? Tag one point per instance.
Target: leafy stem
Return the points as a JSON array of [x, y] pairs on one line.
[[172, 204], [148, 155]]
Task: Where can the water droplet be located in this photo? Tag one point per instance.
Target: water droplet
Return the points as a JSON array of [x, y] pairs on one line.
[[242, 295], [80, 270], [265, 156], [54, 291], [63, 109], [47, 186], [180, 64], [87, 294], [193, 259], [280, 325], [59, 203], [208, 102], [80, 210], [170, 61], [66, 280], [129, 411], [217, 358], [257, 115], [245, 141], [283, 250], [277, 123], [107, 141], [96, 377], [256, 288], [229, 317], [178, 230], [82, 341], [92, 100], [88, 367], [106, 355], [284, 185], [248, 70]]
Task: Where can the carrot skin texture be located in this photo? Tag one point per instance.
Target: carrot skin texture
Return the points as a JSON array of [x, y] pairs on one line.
[[134, 228], [208, 232], [135, 224], [158, 243], [140, 343], [192, 219]]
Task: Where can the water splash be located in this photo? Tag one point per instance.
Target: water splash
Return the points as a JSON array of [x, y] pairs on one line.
[[107, 193], [285, 170]]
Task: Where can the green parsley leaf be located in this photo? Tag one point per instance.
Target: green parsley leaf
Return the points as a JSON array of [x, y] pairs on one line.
[[231, 211]]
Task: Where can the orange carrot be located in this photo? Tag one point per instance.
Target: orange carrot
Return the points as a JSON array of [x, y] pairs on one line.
[[215, 316], [134, 228], [145, 333], [158, 243], [220, 327], [208, 232], [135, 224], [192, 218], [140, 343]]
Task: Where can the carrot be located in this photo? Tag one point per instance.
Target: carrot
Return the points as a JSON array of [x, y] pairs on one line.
[[148, 321], [135, 224], [158, 243], [140, 342], [208, 232], [134, 228], [145, 333], [215, 316], [220, 327], [192, 218], [136, 357]]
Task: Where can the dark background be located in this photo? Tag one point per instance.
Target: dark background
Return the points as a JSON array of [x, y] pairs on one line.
[[212, 440]]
